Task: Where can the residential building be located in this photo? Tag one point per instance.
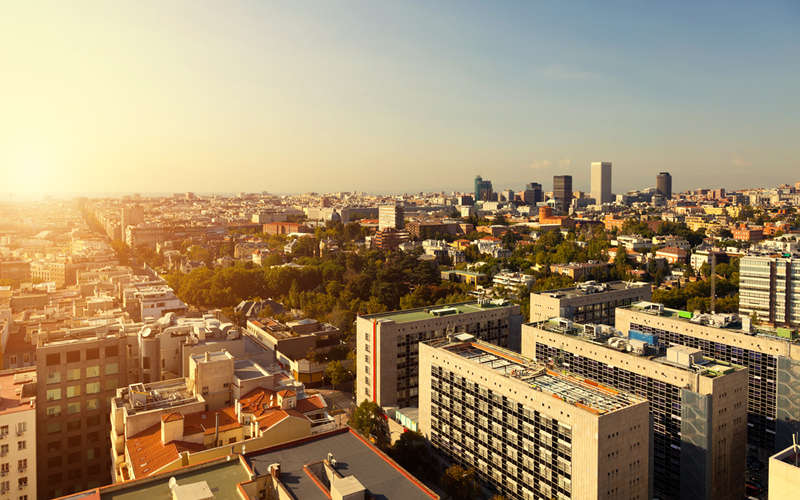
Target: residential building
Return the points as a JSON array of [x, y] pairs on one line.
[[587, 302], [702, 256], [771, 356], [635, 243], [562, 190], [513, 280], [528, 431], [697, 403], [601, 182], [147, 234], [770, 288], [671, 241], [17, 270], [577, 270], [391, 216], [130, 215], [156, 301], [18, 466], [274, 228], [389, 239], [784, 473], [388, 344], [745, 233], [468, 277], [77, 379], [673, 255], [664, 185]]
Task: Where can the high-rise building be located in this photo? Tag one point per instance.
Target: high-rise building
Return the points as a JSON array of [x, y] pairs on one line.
[[772, 356], [697, 403], [601, 182], [770, 287], [562, 191], [131, 215], [507, 195], [483, 189], [391, 217], [533, 193], [664, 185], [588, 302], [388, 344], [530, 432], [18, 433]]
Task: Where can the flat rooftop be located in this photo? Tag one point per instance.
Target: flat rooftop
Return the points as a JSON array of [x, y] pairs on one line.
[[789, 456], [437, 311], [576, 391], [714, 367], [568, 293], [381, 477], [734, 326]]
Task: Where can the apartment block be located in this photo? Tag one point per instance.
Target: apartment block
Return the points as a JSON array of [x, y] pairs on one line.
[[587, 302], [388, 344], [770, 288], [772, 357], [530, 432], [698, 403], [18, 433], [77, 379], [391, 217]]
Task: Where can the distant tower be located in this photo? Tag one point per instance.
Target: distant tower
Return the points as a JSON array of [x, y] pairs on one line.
[[483, 189], [391, 216], [664, 185], [601, 182], [533, 193], [562, 191]]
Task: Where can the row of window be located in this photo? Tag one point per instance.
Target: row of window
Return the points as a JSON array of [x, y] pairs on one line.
[[75, 373], [75, 356]]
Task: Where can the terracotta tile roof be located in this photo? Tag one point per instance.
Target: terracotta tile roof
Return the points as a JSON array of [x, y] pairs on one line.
[[148, 453], [171, 417], [296, 414], [286, 393], [271, 418], [195, 422], [312, 403]]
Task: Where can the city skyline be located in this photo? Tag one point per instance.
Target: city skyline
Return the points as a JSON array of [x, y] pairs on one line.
[[280, 98]]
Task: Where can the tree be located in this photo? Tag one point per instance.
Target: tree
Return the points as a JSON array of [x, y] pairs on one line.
[[411, 452], [368, 420], [460, 484], [122, 250], [337, 375]]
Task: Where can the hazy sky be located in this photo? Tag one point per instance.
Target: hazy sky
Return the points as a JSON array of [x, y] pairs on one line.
[[395, 97]]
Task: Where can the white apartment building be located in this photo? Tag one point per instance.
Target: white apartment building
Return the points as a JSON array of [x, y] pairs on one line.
[[18, 433], [770, 287]]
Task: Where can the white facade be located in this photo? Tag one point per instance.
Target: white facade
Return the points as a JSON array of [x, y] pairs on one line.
[[18, 434], [391, 216]]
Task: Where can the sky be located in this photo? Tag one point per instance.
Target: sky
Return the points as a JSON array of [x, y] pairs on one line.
[[394, 97]]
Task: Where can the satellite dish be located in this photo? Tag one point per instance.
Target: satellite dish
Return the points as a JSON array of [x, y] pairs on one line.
[[146, 331], [172, 483]]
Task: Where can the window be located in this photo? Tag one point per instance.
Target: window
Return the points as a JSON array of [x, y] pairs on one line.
[[74, 425], [54, 411], [92, 404], [4, 430], [21, 427], [92, 453], [74, 474], [54, 446], [73, 408], [53, 427], [6, 485], [26, 358], [93, 353], [93, 437], [23, 481], [93, 421], [205, 390], [53, 360], [112, 368], [73, 356], [53, 394], [22, 463], [73, 441], [73, 391], [111, 384], [54, 462], [163, 363], [74, 374], [111, 351], [146, 363], [21, 445], [92, 371], [74, 458], [12, 360], [5, 467], [93, 469], [92, 387], [54, 378]]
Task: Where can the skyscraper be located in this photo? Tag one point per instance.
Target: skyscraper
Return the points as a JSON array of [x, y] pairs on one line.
[[391, 216], [533, 193], [562, 190], [601, 182], [664, 185], [483, 189]]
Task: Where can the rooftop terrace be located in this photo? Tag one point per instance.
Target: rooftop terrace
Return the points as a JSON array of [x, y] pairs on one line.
[[589, 288], [577, 391], [439, 311]]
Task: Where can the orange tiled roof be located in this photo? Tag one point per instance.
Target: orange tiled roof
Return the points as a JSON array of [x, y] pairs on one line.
[[148, 453], [286, 393], [313, 403], [171, 417]]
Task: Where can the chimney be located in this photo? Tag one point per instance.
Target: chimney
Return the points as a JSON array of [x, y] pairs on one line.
[[208, 356], [216, 431]]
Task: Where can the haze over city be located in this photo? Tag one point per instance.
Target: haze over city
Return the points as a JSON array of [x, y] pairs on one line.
[[103, 97]]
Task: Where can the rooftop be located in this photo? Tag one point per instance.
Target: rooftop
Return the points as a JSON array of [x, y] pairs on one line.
[[579, 392], [615, 340], [588, 288], [437, 311], [377, 473]]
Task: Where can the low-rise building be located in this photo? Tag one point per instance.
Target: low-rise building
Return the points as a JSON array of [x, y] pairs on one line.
[[587, 302]]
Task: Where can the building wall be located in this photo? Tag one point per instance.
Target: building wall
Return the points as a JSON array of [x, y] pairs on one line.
[[18, 453], [582, 308], [601, 182], [784, 478], [387, 352], [513, 435]]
